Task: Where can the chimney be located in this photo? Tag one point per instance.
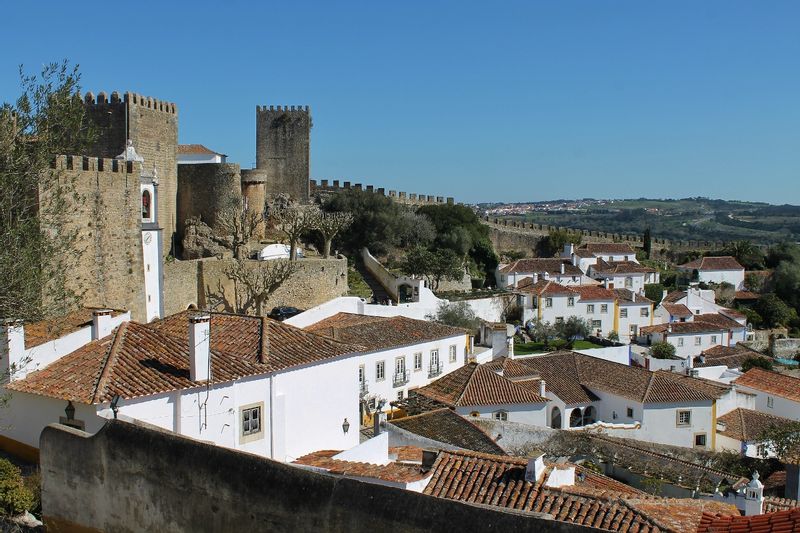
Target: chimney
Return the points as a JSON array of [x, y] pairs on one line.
[[543, 388], [378, 423], [562, 267], [561, 476], [199, 348], [605, 283], [428, 458], [535, 469], [669, 328], [754, 497], [101, 323], [12, 348], [535, 278]]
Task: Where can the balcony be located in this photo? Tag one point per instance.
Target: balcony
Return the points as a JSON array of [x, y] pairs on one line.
[[401, 378], [363, 387], [435, 369]]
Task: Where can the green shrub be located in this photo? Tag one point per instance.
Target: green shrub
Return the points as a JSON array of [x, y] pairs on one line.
[[662, 350], [15, 497]]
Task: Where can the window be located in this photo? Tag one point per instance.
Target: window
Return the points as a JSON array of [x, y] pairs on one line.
[[399, 395], [644, 312], [698, 341], [453, 353], [626, 258], [628, 282], [761, 450], [590, 308], [630, 412], [417, 361], [574, 278], [604, 308], [770, 402], [250, 417], [380, 370], [548, 302], [146, 205], [400, 365], [571, 301], [475, 414], [713, 339], [684, 418], [559, 319], [623, 313], [700, 440], [597, 324], [500, 415], [361, 374], [680, 342]]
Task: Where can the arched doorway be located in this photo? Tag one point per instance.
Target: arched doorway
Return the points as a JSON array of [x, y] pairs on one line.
[[576, 418], [555, 418], [589, 415]]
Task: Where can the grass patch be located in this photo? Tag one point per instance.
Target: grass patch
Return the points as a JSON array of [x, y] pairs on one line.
[[356, 284]]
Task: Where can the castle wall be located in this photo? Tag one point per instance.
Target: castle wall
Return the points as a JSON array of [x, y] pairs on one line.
[[180, 286], [283, 137], [325, 188], [152, 126], [109, 271], [203, 190]]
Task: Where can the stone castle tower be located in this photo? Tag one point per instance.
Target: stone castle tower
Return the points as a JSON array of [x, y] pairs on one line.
[[283, 141], [152, 126]]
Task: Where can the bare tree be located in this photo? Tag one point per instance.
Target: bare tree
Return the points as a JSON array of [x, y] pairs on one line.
[[254, 282], [330, 224], [294, 220], [238, 223]]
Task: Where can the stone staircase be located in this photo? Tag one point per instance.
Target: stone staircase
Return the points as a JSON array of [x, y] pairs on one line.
[[378, 292]]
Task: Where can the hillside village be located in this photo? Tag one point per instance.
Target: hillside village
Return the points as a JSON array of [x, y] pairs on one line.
[[326, 328]]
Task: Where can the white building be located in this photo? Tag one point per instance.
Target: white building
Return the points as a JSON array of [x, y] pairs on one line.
[[195, 154], [699, 333], [624, 275], [776, 394], [693, 301], [716, 270], [741, 430], [481, 391], [399, 354], [588, 254], [562, 271], [598, 305], [634, 312]]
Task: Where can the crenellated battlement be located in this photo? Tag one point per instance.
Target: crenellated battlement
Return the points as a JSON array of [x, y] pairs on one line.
[[95, 164], [103, 99], [328, 187], [282, 109]]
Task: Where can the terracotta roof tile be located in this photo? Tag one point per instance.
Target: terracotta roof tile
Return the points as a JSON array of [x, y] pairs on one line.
[[748, 425], [771, 382], [730, 356], [678, 310], [784, 521], [196, 149], [622, 267], [590, 293], [626, 296], [746, 295], [444, 425], [37, 333], [398, 472], [713, 263], [474, 384], [709, 322], [594, 500], [378, 333], [540, 266], [543, 288], [135, 361], [674, 296]]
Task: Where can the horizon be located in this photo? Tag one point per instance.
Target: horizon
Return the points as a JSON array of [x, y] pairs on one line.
[[527, 100]]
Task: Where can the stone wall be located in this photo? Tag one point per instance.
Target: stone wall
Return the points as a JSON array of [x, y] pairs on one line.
[[283, 144], [315, 282], [786, 348], [203, 191], [134, 478], [180, 286], [326, 188], [110, 271]]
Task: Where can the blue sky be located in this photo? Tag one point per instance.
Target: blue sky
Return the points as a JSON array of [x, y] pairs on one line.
[[484, 101]]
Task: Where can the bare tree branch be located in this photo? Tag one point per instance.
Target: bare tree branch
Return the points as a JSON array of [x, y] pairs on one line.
[[294, 220], [255, 281], [330, 224]]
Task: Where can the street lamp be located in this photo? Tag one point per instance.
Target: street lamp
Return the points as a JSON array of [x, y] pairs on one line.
[[345, 426], [69, 410]]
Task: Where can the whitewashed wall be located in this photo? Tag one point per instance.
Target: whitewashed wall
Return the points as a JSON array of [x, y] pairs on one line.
[[531, 414]]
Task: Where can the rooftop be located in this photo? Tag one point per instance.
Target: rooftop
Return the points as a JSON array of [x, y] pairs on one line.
[[705, 323], [475, 384], [621, 267], [38, 333], [627, 296], [379, 333], [589, 293], [405, 469], [678, 310], [541, 265], [787, 520], [198, 149], [713, 263], [748, 425], [772, 382], [730, 356], [444, 425], [543, 288]]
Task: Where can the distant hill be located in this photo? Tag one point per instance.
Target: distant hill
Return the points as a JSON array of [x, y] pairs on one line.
[[683, 219]]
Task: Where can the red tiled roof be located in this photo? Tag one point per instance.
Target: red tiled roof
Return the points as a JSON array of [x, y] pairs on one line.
[[709, 322], [444, 425], [713, 263], [622, 267], [38, 333], [678, 310], [748, 425], [783, 521], [541, 265], [589, 293], [378, 333], [474, 384], [774, 504], [719, 319], [398, 472], [595, 501], [543, 288], [135, 361], [608, 248], [261, 340], [771, 382], [746, 295], [674, 296], [196, 149], [627, 296], [730, 356]]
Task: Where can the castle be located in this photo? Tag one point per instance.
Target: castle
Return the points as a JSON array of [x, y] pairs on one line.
[[137, 198]]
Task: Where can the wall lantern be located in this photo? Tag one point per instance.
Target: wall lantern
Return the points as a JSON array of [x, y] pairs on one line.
[[345, 426], [115, 405], [69, 410]]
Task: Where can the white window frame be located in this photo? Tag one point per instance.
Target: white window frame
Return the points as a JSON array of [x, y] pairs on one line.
[[589, 309], [705, 440], [698, 341], [645, 312], [400, 395], [623, 313], [380, 370], [249, 434], [548, 302], [770, 402], [713, 339], [417, 361], [571, 301], [362, 373], [400, 364], [680, 341], [682, 414], [501, 415], [453, 352], [603, 309]]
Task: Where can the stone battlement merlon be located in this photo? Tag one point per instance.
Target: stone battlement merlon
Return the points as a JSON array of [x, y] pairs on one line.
[[148, 102], [282, 109], [95, 164], [334, 186]]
